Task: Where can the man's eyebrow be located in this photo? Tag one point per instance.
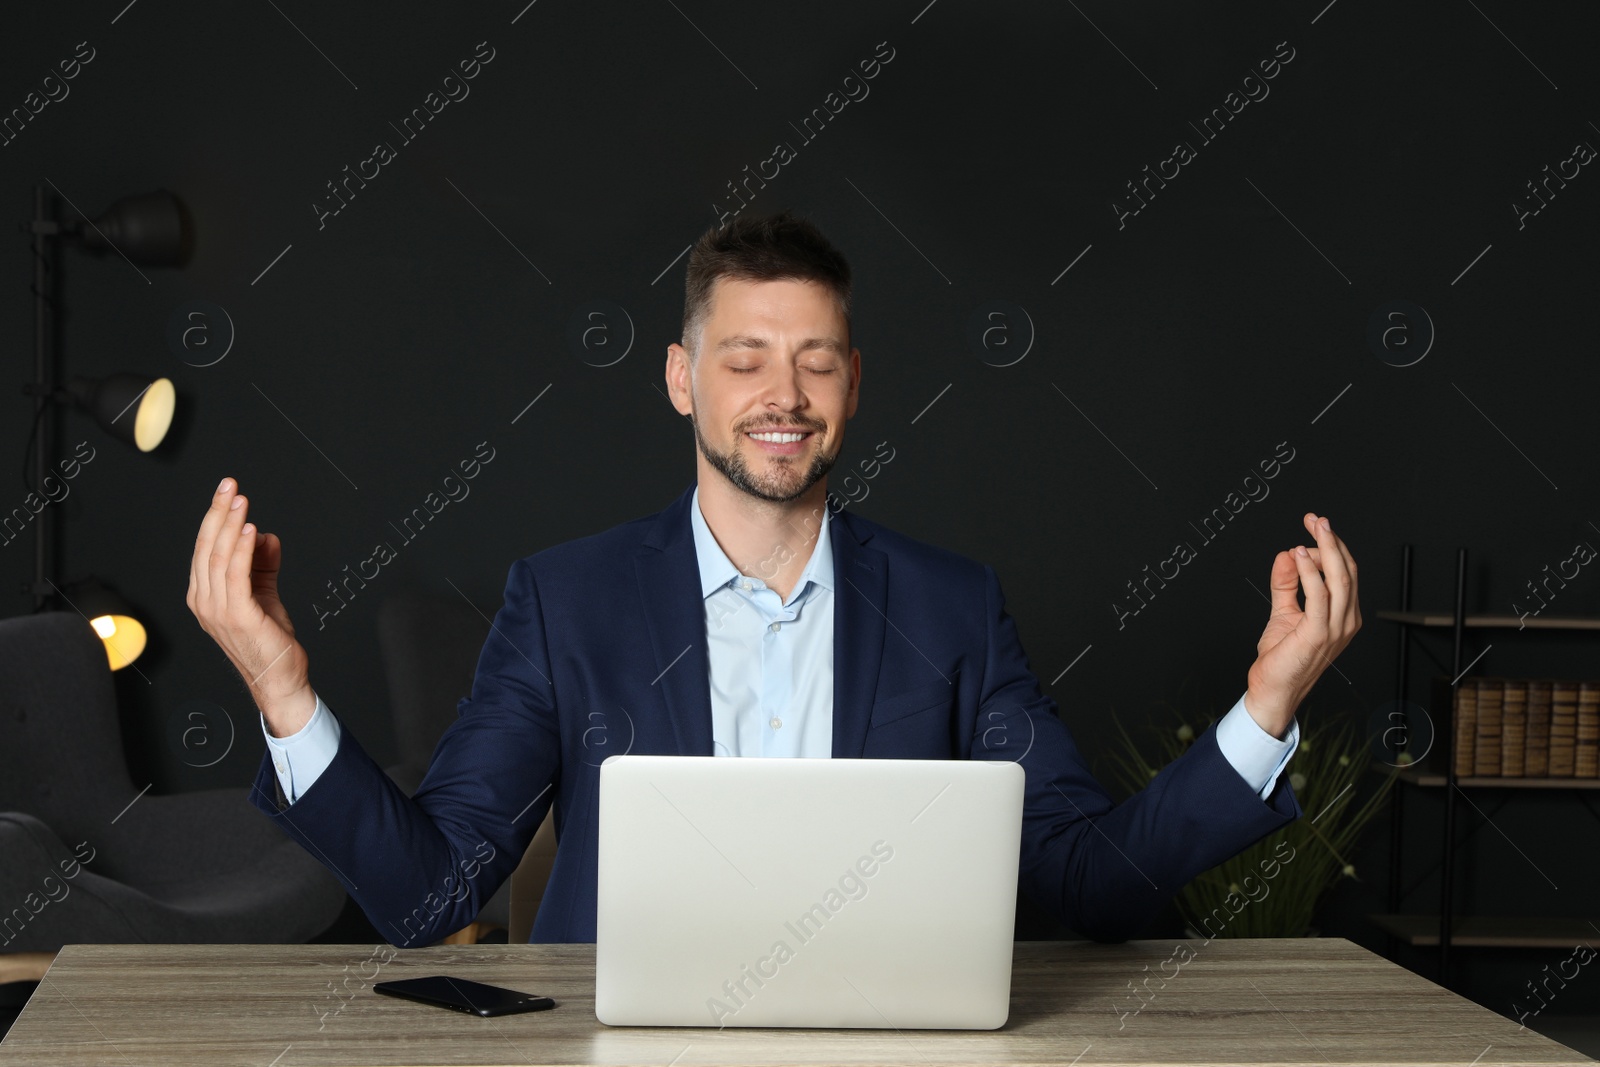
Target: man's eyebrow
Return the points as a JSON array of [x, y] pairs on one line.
[[743, 341]]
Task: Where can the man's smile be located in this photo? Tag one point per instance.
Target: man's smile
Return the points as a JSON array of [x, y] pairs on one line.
[[780, 442]]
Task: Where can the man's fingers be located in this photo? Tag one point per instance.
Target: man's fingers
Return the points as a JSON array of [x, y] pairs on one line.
[[1336, 541], [1336, 578], [264, 570], [239, 564], [268, 558], [1285, 583], [1344, 550], [264, 579], [1352, 605], [1316, 591], [222, 549], [200, 564]]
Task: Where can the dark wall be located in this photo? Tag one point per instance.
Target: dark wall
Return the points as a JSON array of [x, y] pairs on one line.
[[1225, 321]]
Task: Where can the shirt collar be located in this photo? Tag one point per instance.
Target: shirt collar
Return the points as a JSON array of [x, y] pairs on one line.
[[716, 570]]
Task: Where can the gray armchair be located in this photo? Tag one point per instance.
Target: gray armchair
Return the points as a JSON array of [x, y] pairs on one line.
[[430, 645], [86, 859]]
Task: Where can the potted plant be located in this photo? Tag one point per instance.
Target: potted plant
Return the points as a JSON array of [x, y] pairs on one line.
[[1272, 888]]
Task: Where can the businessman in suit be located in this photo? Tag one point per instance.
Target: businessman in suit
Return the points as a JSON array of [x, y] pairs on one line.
[[751, 618]]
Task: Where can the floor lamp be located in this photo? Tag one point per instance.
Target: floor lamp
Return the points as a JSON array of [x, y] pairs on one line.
[[149, 229]]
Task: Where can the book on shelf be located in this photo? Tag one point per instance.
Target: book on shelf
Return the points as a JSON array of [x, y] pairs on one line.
[[1526, 728], [1538, 740], [1513, 728], [1466, 728], [1491, 698], [1586, 758], [1563, 728]]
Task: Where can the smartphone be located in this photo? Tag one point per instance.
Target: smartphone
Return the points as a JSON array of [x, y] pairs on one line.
[[461, 994]]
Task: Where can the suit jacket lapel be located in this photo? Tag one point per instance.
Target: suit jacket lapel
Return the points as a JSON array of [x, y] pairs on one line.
[[861, 575], [669, 587]]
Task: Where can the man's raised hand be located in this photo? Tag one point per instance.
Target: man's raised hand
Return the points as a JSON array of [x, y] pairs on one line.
[[233, 591], [1298, 645]]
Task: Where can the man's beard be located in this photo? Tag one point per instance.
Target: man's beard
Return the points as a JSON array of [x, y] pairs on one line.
[[780, 488]]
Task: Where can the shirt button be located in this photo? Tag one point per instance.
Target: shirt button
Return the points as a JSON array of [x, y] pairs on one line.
[[747, 583], [279, 766], [776, 723], [775, 626]]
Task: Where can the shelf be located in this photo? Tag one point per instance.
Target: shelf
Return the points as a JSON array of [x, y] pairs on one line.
[[1509, 931], [1488, 931], [1416, 776], [1447, 620]]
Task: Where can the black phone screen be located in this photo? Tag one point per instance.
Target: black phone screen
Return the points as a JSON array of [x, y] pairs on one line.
[[461, 994]]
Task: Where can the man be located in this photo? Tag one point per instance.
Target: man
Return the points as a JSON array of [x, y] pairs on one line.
[[747, 619]]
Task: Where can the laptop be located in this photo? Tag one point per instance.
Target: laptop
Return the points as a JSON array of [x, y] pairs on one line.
[[806, 892]]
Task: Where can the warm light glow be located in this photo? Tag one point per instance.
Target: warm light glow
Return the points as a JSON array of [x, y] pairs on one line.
[[154, 417], [124, 638]]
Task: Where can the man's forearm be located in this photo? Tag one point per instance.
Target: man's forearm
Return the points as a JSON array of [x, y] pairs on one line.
[[416, 879], [1106, 869]]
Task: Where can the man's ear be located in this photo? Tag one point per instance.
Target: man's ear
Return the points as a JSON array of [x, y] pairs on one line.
[[678, 377]]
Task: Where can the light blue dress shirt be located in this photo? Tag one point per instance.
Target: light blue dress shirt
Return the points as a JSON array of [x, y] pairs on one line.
[[770, 661], [771, 674]]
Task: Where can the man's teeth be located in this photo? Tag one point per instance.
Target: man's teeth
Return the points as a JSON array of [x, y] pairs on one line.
[[778, 438]]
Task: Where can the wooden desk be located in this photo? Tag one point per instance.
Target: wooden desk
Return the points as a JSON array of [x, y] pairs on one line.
[[1299, 1001]]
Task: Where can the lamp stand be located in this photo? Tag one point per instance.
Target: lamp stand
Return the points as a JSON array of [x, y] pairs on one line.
[[45, 229]]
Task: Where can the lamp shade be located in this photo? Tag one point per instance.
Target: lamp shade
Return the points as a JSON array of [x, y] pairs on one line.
[[130, 407], [148, 228], [114, 623]]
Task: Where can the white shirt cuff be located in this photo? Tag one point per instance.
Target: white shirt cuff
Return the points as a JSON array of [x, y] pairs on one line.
[[301, 757], [1255, 754]]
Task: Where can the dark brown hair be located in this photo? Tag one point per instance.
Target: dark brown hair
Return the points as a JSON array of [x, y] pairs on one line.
[[760, 248]]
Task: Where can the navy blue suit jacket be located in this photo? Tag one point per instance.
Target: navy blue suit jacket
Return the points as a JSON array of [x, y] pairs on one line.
[[600, 648]]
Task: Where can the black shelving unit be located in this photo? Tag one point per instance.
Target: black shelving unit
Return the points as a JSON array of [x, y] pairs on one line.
[[1446, 928]]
